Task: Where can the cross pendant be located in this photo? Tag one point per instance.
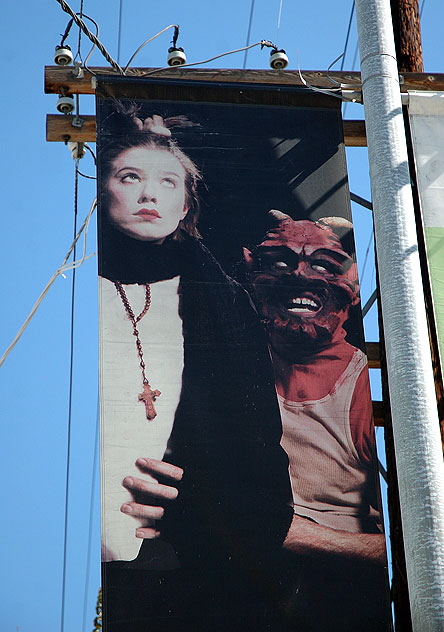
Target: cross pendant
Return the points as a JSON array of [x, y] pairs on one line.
[[148, 397]]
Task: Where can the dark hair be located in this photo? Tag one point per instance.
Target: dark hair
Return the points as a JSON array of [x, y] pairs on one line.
[[122, 130]]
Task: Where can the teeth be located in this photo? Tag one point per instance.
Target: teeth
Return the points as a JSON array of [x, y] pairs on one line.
[[304, 302]]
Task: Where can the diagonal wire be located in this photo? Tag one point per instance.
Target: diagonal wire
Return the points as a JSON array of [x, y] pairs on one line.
[[60, 270], [150, 39], [81, 24]]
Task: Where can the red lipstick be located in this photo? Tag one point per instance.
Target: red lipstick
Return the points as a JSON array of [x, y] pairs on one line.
[[148, 213]]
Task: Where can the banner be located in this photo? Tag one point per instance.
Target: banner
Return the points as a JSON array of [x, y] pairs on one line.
[[239, 475], [426, 111]]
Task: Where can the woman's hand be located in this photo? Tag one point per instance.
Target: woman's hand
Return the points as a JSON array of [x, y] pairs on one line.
[[151, 497]]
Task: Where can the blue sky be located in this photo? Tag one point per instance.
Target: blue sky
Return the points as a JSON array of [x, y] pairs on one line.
[[37, 196]]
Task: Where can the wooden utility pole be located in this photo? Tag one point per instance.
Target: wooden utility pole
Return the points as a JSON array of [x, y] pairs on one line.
[[407, 32]]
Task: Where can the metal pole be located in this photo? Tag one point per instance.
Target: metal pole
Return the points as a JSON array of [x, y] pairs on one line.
[[412, 392]]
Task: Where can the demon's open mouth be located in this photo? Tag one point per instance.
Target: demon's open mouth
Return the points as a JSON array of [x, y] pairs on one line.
[[303, 305]]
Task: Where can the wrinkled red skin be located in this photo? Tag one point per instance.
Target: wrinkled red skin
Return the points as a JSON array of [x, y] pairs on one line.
[[302, 260]]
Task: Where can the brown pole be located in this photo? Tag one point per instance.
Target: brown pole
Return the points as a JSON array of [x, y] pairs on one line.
[[407, 32]]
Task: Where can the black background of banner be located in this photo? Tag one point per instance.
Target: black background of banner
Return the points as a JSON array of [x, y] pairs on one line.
[[258, 148]]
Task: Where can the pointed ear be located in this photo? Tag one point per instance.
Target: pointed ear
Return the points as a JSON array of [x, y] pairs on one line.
[[356, 300], [248, 258], [352, 274]]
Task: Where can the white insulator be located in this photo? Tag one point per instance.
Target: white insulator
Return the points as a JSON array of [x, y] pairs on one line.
[[63, 56], [176, 57], [278, 59], [65, 105]]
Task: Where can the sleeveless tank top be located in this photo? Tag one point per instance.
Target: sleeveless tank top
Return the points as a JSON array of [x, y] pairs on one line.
[[328, 477]]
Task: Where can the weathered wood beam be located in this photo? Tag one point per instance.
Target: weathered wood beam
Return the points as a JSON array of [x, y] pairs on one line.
[[59, 127], [58, 78]]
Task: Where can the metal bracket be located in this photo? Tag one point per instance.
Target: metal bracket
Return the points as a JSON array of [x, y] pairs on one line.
[[77, 71], [77, 122]]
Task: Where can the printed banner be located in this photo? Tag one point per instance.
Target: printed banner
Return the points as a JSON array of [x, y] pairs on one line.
[[239, 476], [426, 111]]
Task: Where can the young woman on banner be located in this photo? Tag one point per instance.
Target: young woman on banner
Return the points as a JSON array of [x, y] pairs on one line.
[[186, 390]]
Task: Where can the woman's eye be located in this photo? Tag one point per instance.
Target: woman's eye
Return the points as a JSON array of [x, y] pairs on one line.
[[169, 183], [130, 177]]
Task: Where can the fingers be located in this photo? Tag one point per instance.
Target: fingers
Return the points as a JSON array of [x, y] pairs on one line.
[[160, 468], [150, 496], [152, 490], [147, 533], [142, 511]]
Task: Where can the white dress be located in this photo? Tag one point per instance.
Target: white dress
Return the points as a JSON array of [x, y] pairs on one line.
[[126, 433]]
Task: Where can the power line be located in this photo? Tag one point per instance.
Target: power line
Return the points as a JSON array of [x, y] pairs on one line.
[[71, 366], [247, 44], [279, 19], [262, 43], [81, 24], [91, 513], [80, 30], [119, 33], [348, 34]]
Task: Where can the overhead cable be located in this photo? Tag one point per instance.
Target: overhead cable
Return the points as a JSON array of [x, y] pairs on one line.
[[171, 26], [347, 37], [91, 515], [60, 270], [279, 19], [81, 24], [119, 31], [71, 366], [79, 41], [247, 43], [262, 43], [66, 33]]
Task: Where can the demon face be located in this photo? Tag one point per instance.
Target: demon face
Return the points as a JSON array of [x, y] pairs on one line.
[[303, 284]]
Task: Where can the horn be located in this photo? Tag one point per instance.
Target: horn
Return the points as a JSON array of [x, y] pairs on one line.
[[338, 225], [278, 215], [343, 229]]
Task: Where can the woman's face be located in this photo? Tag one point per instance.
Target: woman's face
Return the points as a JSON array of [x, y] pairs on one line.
[[146, 190]]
